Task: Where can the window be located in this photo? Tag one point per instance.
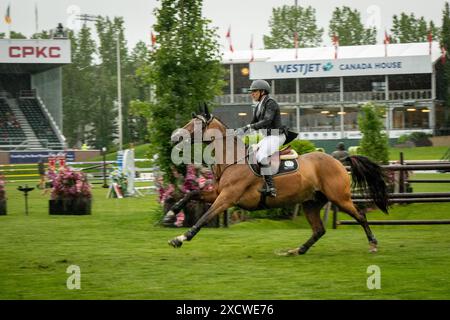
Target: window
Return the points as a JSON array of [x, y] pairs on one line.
[[317, 85], [410, 82], [285, 86], [366, 83], [241, 78]]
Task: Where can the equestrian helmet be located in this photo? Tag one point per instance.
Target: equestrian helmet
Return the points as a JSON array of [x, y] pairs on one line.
[[260, 85]]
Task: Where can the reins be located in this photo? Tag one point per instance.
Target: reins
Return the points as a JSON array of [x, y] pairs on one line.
[[205, 124]]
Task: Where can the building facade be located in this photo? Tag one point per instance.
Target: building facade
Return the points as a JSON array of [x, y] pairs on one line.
[[320, 95]]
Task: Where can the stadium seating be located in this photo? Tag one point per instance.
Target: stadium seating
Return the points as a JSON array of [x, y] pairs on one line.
[[10, 129], [38, 121]]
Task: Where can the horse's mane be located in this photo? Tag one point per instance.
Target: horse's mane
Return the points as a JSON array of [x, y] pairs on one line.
[[221, 122]]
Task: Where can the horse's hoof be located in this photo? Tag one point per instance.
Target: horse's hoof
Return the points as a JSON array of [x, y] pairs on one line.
[[176, 243], [373, 248], [169, 220], [302, 250]]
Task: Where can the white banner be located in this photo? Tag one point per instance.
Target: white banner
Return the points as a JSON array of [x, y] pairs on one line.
[[340, 67], [35, 51]]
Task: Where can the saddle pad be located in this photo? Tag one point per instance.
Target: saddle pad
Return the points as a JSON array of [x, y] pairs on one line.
[[286, 166]]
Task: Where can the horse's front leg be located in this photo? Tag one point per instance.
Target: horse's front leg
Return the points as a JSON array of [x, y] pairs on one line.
[[208, 196], [221, 204], [171, 215]]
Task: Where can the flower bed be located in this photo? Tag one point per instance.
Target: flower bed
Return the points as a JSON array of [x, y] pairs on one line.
[[195, 179], [2, 196], [71, 193]]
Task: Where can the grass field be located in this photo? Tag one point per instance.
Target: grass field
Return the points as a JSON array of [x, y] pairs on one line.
[[123, 255], [418, 153]]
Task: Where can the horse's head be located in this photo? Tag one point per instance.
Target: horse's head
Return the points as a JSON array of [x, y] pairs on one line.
[[198, 125]]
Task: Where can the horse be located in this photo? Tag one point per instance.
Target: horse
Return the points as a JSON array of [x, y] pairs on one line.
[[320, 179]]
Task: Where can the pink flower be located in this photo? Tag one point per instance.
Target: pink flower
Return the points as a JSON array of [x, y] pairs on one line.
[[68, 184]]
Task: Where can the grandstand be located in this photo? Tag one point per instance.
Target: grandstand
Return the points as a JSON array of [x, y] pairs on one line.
[[320, 96], [30, 94]]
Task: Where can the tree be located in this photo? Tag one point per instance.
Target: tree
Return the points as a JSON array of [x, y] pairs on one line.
[[137, 124], [13, 35], [346, 23], [105, 113], [184, 69], [445, 43], [408, 28], [288, 20], [79, 93], [374, 144], [44, 34]]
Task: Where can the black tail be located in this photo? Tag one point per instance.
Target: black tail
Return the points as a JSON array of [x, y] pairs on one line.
[[369, 177]]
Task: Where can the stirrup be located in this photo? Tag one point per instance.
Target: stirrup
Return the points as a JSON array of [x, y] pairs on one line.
[[271, 192], [268, 191]]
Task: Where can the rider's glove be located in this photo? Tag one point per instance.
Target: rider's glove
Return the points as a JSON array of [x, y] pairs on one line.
[[241, 131]]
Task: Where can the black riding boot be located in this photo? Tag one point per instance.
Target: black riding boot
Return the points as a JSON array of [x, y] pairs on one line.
[[269, 189]]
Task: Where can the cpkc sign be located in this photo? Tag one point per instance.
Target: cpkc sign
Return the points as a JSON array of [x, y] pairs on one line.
[[35, 51]]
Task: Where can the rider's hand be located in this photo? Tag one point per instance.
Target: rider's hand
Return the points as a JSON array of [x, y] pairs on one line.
[[241, 131]]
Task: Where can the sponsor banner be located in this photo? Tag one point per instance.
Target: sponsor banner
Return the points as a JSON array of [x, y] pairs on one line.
[[16, 157], [340, 67], [35, 51]]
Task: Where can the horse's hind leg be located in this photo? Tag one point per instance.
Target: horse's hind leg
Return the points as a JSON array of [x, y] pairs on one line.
[[348, 207], [312, 213]]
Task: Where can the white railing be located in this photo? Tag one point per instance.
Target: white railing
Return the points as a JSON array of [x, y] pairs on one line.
[[410, 95], [324, 97], [364, 96], [52, 122], [319, 97]]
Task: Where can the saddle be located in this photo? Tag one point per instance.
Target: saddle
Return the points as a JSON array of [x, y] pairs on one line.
[[285, 160]]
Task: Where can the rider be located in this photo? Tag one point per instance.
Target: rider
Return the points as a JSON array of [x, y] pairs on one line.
[[266, 116]]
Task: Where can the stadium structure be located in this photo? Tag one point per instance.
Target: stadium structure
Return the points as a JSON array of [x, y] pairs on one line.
[[321, 90], [31, 94], [31, 118]]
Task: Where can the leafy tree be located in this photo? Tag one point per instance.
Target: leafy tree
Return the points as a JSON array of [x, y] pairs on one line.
[[408, 28], [184, 69], [445, 42], [79, 93], [286, 21], [13, 35], [374, 144], [104, 114], [137, 123], [346, 23], [44, 34]]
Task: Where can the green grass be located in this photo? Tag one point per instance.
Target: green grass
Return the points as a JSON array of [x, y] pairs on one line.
[[418, 153], [123, 255]]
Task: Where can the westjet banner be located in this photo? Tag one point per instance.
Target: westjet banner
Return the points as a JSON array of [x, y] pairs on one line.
[[340, 67]]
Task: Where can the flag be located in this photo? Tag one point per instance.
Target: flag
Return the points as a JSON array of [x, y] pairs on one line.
[[153, 38], [387, 40], [8, 15], [296, 45], [228, 36], [336, 45], [443, 55], [430, 40], [252, 58]]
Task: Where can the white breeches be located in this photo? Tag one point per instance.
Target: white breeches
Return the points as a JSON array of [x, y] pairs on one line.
[[268, 146]]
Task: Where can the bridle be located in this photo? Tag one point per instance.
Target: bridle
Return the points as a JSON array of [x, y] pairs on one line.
[[205, 123]]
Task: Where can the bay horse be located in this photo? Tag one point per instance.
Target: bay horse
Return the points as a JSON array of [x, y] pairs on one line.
[[320, 179]]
